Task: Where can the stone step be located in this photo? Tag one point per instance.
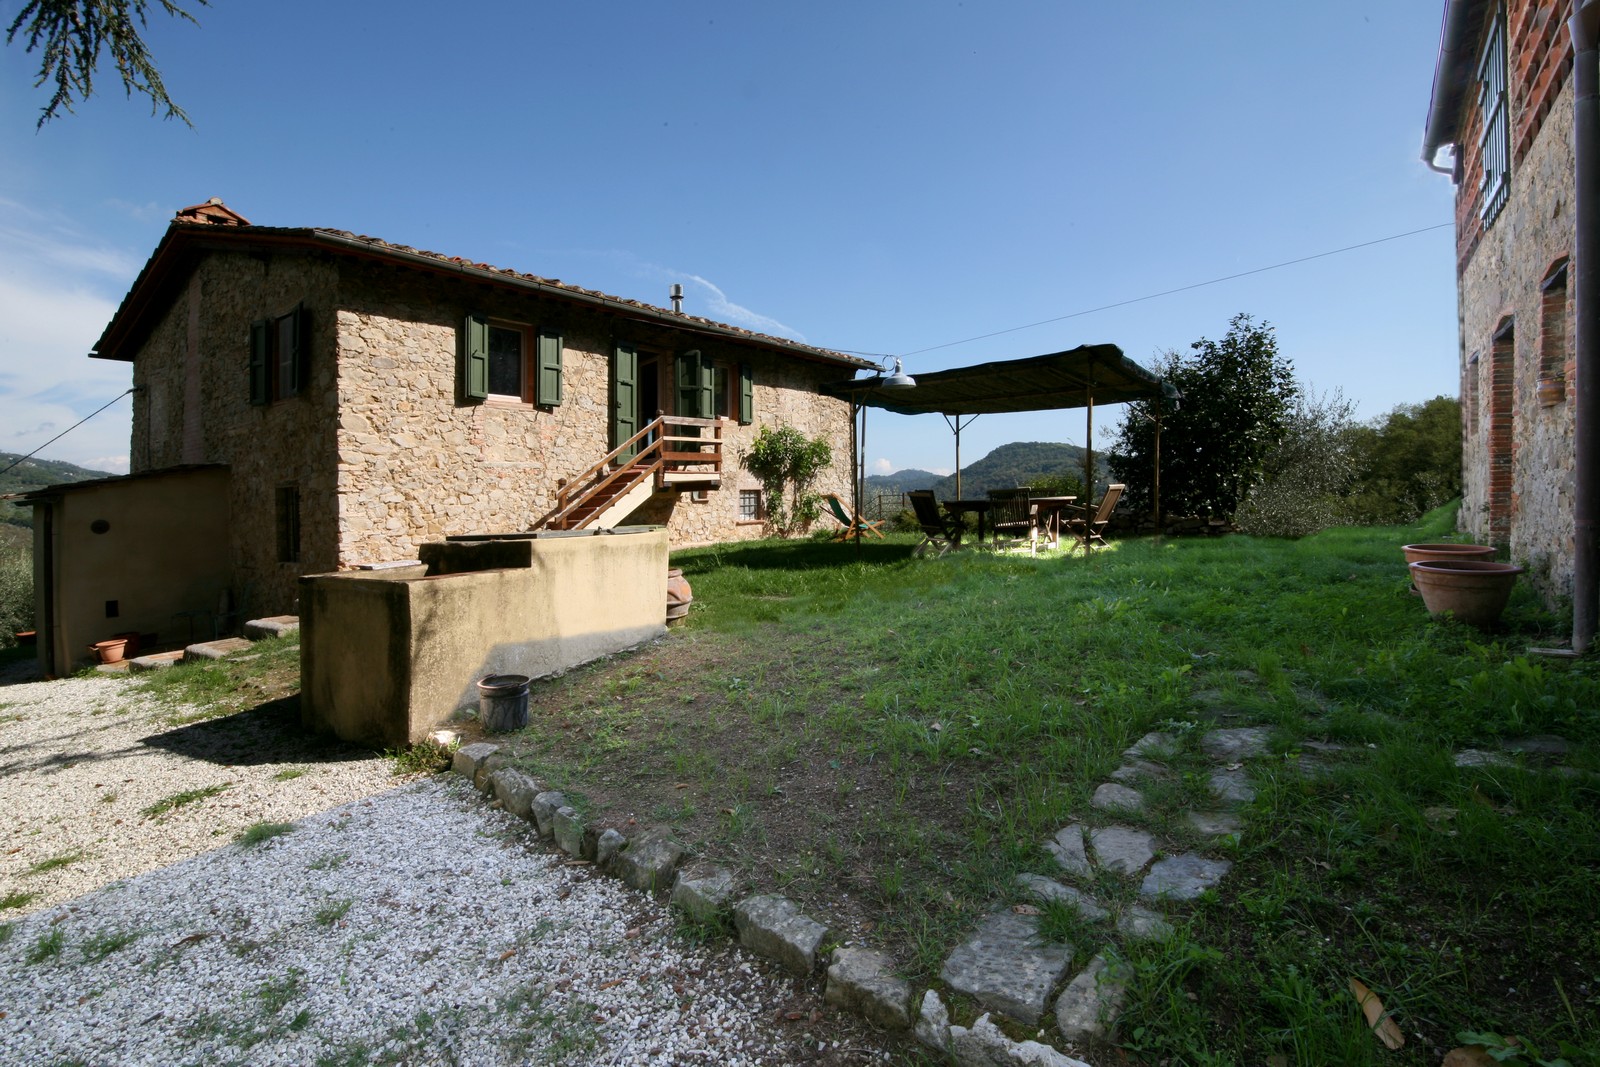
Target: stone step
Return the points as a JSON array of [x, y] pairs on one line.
[[272, 626], [156, 661], [215, 649]]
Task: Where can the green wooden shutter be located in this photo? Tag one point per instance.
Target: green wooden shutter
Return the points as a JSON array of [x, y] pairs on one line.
[[475, 358], [696, 399], [299, 350], [547, 381], [624, 396], [747, 388], [260, 354]]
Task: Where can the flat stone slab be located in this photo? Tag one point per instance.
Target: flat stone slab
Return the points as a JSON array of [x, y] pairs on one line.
[[1067, 848], [1241, 743], [273, 626], [1155, 745], [1121, 849], [1215, 823], [1183, 877], [1540, 745], [1041, 888], [864, 982], [155, 661], [1090, 1004], [1472, 757], [772, 926], [985, 1045], [1139, 769], [649, 861], [703, 892], [1110, 796], [1231, 786], [1142, 924], [215, 649], [1005, 968]]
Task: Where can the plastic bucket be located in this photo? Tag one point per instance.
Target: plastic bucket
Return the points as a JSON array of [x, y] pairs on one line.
[[503, 702]]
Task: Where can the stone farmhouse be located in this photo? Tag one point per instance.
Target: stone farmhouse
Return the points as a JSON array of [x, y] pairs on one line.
[[308, 401], [1514, 101]]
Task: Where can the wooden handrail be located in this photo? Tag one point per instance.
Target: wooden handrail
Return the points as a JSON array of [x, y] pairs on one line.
[[652, 460]]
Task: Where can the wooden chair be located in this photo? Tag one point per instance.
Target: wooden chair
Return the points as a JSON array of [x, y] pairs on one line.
[[939, 531], [850, 524], [1015, 520], [1088, 525]]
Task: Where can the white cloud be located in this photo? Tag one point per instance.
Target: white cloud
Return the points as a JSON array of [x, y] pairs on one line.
[[881, 466], [943, 472], [725, 310]]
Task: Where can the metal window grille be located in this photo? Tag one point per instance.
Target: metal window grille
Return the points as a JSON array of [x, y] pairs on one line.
[[1494, 142], [749, 505]]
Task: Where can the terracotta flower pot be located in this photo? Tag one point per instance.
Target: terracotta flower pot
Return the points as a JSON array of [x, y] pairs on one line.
[[1474, 591], [110, 651], [1425, 553], [679, 594]]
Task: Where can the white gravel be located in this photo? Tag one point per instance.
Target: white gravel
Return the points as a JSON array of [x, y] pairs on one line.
[[415, 925]]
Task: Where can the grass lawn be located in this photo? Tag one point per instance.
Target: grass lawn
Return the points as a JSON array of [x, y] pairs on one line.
[[889, 741]]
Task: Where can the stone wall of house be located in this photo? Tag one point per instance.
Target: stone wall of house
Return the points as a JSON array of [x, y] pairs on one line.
[[1517, 449], [416, 463], [194, 407]]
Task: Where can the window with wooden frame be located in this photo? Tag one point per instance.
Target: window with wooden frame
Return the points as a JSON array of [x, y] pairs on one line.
[[280, 356], [509, 361], [1494, 138], [713, 389], [750, 505], [1553, 334]]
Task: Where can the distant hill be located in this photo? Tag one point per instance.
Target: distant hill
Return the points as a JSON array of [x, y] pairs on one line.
[[901, 481], [33, 474], [1019, 463]]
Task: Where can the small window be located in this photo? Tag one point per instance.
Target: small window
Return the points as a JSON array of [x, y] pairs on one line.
[[505, 360], [1553, 327], [749, 505], [288, 516], [1494, 139], [280, 356]]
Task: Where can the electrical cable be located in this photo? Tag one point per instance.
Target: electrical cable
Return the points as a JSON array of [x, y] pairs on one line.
[[1164, 292], [69, 429]]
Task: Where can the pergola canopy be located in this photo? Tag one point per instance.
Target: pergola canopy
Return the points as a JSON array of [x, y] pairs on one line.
[[1079, 377]]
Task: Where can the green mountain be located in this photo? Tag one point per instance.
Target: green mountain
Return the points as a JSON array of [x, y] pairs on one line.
[[901, 481], [33, 474], [1019, 463]]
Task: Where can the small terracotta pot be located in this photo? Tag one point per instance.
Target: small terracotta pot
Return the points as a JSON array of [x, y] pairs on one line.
[[27, 638], [110, 651], [1474, 591]]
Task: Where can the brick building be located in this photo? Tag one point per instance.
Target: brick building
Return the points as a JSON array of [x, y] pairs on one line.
[[1506, 104]]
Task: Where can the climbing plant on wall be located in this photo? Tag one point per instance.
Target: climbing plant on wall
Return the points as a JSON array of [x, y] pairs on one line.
[[788, 464]]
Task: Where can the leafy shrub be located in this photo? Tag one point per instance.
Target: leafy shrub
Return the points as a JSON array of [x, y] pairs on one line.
[[1304, 478], [16, 591], [782, 457]]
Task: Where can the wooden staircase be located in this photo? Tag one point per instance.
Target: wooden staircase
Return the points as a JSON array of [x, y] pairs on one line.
[[671, 452]]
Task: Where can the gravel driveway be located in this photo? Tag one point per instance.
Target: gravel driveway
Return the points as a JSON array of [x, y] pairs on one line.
[[394, 923]]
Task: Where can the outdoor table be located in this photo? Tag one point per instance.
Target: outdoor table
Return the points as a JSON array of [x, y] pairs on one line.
[[958, 508], [1050, 508]]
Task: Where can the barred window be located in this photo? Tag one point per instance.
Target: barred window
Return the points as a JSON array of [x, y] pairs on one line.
[[1494, 142], [749, 505]]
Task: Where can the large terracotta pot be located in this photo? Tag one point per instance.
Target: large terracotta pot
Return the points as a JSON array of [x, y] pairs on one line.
[[110, 651], [1474, 591], [679, 594], [1424, 553]]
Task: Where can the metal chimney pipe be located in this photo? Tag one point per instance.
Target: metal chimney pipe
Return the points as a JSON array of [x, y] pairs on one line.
[[677, 298]]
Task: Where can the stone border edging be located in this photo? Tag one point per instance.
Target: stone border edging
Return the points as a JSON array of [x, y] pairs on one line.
[[859, 980]]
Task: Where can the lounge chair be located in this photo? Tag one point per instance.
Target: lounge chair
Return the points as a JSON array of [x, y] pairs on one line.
[[1014, 519], [1087, 525], [939, 531], [851, 525]]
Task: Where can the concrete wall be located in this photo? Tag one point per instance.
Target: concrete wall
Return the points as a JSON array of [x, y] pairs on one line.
[[1517, 452], [387, 656], [164, 550]]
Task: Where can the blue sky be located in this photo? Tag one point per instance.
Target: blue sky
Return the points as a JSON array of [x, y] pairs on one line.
[[875, 177]]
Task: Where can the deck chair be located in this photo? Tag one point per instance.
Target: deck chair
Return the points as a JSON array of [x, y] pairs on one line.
[[851, 525], [1087, 525], [939, 531], [1014, 519]]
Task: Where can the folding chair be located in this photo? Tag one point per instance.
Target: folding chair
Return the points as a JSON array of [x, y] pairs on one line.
[[1015, 520], [1088, 526], [939, 531], [851, 525]]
